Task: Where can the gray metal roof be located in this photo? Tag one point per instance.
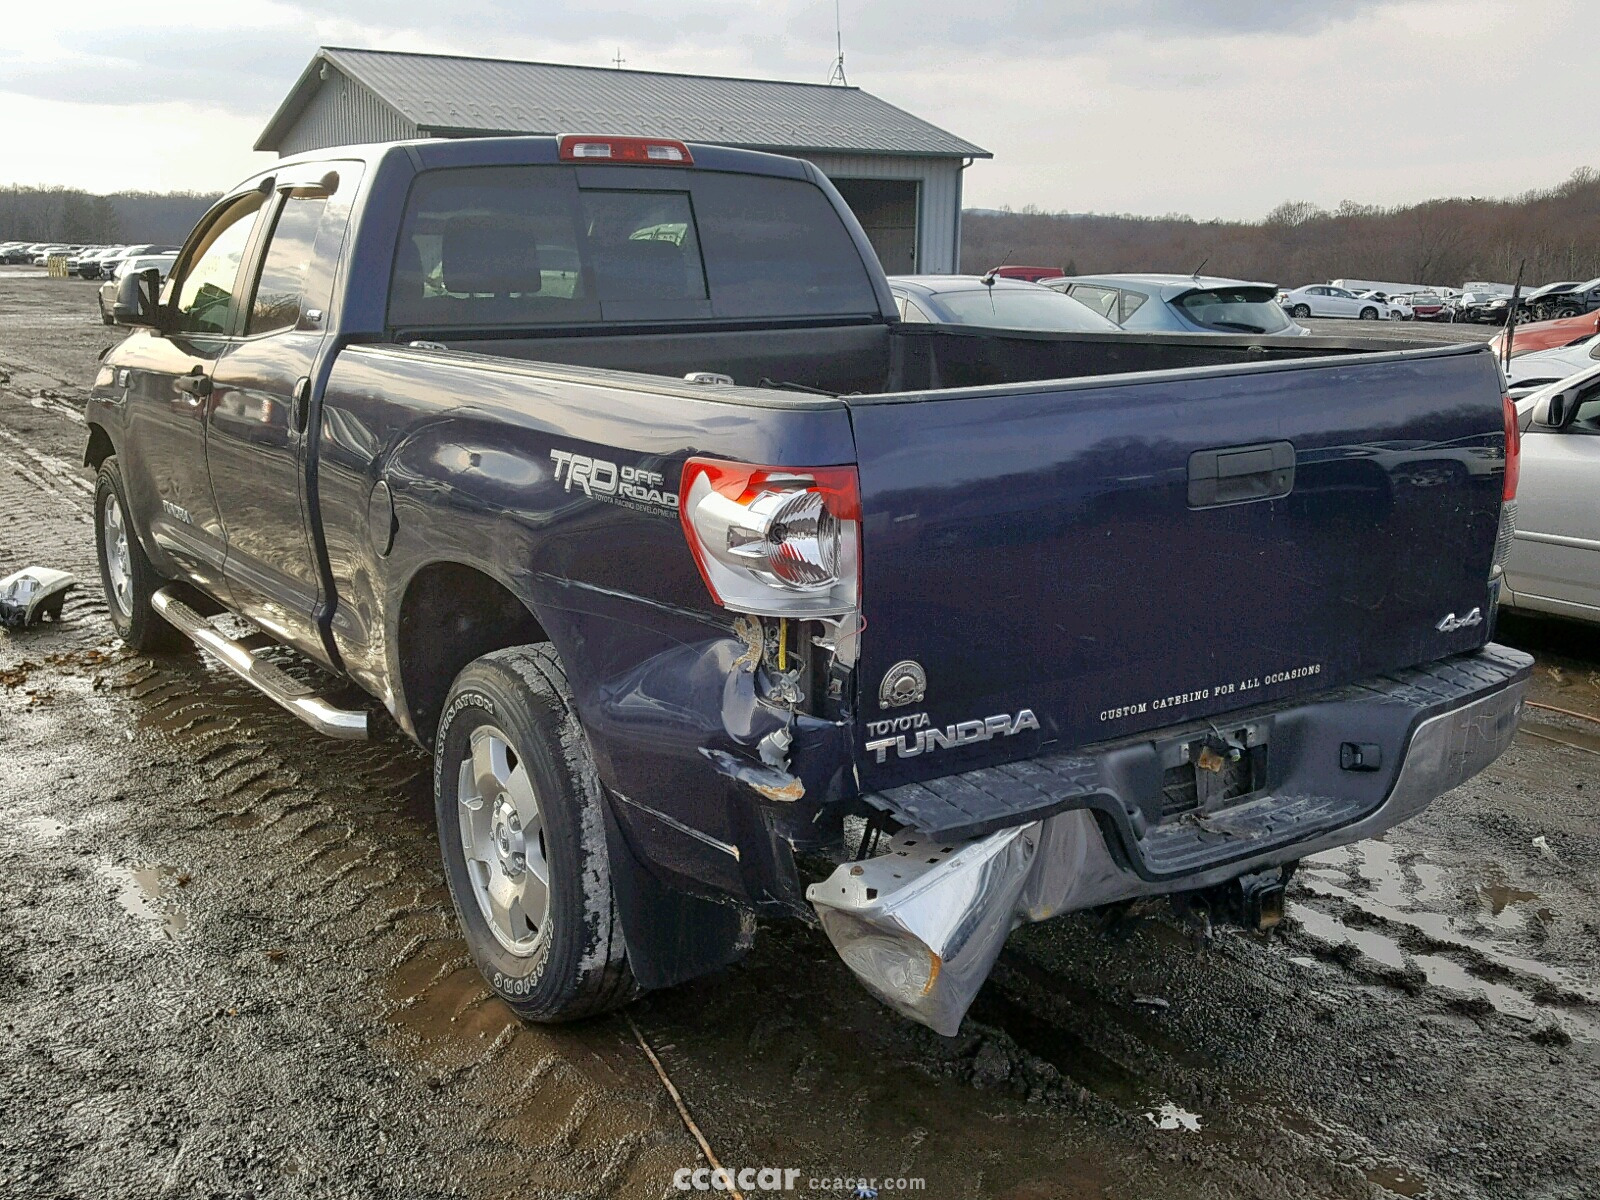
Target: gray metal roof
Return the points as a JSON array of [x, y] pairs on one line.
[[443, 94]]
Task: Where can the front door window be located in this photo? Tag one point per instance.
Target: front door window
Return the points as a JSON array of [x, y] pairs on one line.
[[205, 302]]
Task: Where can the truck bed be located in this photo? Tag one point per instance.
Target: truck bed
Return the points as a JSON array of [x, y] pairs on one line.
[[873, 358]]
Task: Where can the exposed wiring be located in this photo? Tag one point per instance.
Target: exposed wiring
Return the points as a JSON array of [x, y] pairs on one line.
[[783, 643], [683, 1109]]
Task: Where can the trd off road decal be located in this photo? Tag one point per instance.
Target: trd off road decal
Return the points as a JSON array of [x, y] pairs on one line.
[[600, 479]]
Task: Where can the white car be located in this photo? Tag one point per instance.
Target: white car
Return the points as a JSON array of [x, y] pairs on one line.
[[1325, 300], [1527, 373], [1399, 309], [1554, 562]]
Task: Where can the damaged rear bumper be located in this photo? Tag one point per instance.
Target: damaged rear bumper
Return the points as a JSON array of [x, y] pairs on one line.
[[922, 924]]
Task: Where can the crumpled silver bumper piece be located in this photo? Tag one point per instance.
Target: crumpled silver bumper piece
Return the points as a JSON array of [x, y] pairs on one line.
[[922, 924]]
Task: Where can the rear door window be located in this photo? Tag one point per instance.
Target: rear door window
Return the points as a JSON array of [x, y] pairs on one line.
[[283, 270], [528, 246]]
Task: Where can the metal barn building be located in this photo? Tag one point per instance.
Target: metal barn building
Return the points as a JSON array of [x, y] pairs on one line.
[[901, 175]]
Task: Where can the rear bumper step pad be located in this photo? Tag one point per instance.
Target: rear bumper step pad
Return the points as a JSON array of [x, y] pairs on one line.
[[1108, 777]]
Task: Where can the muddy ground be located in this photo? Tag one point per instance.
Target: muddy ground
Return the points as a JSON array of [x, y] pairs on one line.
[[228, 967]]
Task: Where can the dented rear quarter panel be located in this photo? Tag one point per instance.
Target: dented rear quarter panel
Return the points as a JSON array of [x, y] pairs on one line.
[[465, 446]]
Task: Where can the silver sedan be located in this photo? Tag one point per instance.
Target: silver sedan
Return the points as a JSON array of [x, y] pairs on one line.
[[1554, 562]]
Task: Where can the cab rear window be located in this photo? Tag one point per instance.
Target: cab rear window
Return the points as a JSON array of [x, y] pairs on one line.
[[537, 245]]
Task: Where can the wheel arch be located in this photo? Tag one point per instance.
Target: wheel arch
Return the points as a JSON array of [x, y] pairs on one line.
[[450, 614], [100, 447]]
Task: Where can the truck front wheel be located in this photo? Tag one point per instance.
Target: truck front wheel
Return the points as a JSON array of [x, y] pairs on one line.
[[126, 576], [522, 830]]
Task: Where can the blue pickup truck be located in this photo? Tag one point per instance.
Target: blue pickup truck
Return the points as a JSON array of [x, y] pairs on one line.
[[607, 468]]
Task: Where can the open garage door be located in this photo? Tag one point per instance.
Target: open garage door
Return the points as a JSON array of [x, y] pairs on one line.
[[887, 210]]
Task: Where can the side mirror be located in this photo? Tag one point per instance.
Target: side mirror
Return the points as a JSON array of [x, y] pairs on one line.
[[1556, 411], [137, 299]]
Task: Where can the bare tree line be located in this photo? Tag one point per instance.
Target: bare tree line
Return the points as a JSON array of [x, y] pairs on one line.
[[1441, 242], [58, 214]]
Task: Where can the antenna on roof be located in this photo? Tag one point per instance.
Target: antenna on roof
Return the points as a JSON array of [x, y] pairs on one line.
[[1196, 275], [837, 74], [618, 60]]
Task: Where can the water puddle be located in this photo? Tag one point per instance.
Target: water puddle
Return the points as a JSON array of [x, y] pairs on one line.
[[1440, 928], [1376, 862], [41, 828], [148, 893], [1506, 903], [1445, 973], [1430, 882], [1168, 1115]]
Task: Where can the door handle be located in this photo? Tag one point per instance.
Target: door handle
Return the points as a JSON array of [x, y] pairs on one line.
[[301, 408], [1236, 474], [196, 384]]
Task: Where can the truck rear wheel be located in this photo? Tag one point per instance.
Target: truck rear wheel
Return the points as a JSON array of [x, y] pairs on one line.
[[522, 832], [126, 576]]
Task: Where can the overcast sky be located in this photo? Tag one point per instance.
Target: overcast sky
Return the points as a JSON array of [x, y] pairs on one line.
[[1217, 108]]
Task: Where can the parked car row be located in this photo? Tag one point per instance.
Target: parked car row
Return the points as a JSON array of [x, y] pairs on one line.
[[1483, 303], [86, 262], [1094, 303], [1325, 300]]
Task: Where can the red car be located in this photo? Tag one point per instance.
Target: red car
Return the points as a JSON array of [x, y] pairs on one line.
[[1427, 306], [1031, 274], [1547, 335]]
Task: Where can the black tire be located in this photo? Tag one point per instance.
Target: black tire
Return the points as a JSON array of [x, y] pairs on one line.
[[1369, 314], [577, 965], [105, 317], [136, 622], [1300, 311]]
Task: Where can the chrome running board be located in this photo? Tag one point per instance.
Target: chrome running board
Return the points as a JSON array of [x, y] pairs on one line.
[[260, 674]]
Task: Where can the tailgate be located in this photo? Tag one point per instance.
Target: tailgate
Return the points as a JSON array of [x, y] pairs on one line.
[[1121, 554]]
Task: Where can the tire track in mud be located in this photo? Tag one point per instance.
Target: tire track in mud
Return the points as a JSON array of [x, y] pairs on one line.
[[346, 877], [345, 845], [1375, 910]]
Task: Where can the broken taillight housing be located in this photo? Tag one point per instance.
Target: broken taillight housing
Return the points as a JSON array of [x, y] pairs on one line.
[[774, 541]]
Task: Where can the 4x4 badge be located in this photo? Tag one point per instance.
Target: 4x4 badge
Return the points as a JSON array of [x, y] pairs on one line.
[[1450, 622], [904, 683]]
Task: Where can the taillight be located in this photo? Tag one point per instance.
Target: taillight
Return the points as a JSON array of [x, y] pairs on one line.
[[1507, 531], [625, 150], [774, 541], [1513, 451]]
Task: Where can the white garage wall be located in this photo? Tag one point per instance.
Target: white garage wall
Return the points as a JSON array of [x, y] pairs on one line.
[[939, 222], [344, 113]]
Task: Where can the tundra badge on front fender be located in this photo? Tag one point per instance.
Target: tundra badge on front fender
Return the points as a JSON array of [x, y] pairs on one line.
[[1449, 623]]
